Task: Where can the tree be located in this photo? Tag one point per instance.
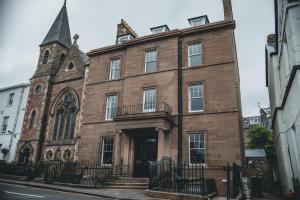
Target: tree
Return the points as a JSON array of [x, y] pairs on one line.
[[260, 137]]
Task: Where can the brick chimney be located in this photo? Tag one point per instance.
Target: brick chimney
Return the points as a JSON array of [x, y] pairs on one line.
[[227, 10]]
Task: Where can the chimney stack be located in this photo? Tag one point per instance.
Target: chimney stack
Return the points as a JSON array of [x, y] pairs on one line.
[[227, 10]]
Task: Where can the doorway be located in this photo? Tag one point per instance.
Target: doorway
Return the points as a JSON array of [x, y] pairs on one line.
[[145, 151]]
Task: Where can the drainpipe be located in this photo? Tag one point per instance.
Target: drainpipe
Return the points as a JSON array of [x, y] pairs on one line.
[[180, 102]]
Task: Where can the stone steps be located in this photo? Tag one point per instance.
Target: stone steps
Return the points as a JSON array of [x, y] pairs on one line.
[[118, 182]]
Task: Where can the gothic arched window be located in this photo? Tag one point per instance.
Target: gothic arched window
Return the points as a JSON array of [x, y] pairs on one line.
[[65, 117], [45, 58], [32, 119], [70, 66], [62, 58]]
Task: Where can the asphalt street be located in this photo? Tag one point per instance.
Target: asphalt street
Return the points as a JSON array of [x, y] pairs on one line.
[[17, 192]]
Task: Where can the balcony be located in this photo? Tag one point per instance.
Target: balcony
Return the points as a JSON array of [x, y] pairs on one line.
[[144, 111]]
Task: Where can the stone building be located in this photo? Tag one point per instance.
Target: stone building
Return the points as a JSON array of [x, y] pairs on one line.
[[173, 93], [283, 82], [12, 108]]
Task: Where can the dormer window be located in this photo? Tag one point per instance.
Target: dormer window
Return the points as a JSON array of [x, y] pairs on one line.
[[198, 21], [159, 29], [124, 38]]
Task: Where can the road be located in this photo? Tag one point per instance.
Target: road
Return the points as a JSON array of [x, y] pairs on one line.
[[17, 192]]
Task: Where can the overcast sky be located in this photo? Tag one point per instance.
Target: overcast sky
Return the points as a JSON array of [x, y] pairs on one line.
[[25, 23]]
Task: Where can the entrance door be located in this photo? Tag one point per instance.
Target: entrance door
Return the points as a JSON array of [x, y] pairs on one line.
[[145, 151]]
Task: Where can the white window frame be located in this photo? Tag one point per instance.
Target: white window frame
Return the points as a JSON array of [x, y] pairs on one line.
[[115, 69], [109, 106], [144, 100], [5, 120], [103, 151], [124, 38], [200, 97], [159, 30], [204, 148], [10, 100], [197, 22], [196, 54], [147, 60]]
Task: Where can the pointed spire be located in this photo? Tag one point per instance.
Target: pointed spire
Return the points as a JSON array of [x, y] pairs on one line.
[[60, 30]]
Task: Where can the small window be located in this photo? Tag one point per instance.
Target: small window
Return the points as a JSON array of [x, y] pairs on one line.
[[32, 119], [198, 21], [196, 98], [38, 89], [107, 151], [196, 148], [62, 58], [45, 57], [195, 54], [4, 123], [70, 66], [114, 71], [149, 100], [111, 107], [10, 99], [150, 60], [159, 29], [124, 38]]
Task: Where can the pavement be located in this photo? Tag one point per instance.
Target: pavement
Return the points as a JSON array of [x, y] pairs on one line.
[[10, 189], [20, 192], [265, 196]]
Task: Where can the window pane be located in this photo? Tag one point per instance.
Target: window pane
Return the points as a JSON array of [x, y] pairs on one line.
[[115, 65], [197, 156], [111, 106], [195, 54], [197, 149], [195, 60], [196, 97], [196, 104], [107, 150], [149, 100], [150, 66], [150, 60]]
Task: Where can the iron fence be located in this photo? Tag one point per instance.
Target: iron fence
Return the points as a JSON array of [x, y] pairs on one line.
[[81, 172], [30, 169], [180, 177], [234, 182]]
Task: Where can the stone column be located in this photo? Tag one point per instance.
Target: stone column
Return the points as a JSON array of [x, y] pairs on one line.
[[163, 143], [117, 149]]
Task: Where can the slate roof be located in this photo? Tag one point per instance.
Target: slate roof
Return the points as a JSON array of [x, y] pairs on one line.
[[60, 30], [255, 153]]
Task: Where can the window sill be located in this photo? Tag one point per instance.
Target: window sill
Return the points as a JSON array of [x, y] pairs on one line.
[[195, 111], [195, 66], [106, 165], [197, 165]]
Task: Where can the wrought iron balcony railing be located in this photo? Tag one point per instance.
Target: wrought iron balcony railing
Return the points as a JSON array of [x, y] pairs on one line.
[[161, 109]]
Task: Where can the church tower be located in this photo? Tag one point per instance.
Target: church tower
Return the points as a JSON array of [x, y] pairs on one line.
[[53, 51]]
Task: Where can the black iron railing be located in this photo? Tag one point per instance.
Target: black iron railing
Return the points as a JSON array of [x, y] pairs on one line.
[[183, 177], [30, 169], [82, 172], [144, 110], [234, 182]]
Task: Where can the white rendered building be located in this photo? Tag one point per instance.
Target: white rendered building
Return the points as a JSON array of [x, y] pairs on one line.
[[13, 101]]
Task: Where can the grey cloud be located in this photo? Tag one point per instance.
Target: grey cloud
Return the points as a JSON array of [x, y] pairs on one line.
[[24, 24]]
